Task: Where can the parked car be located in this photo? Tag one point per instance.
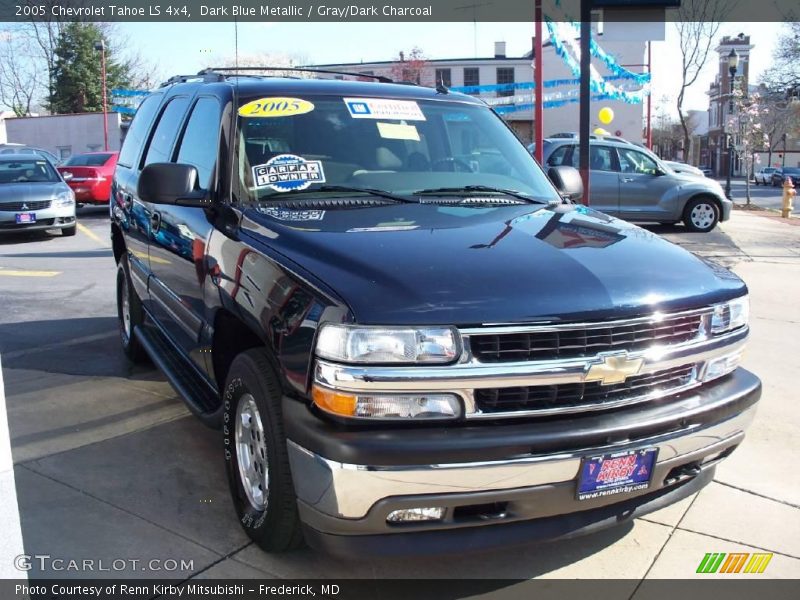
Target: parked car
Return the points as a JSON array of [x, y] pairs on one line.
[[707, 171], [410, 338], [634, 184], [764, 175], [780, 175], [679, 167], [34, 196], [11, 148], [89, 175]]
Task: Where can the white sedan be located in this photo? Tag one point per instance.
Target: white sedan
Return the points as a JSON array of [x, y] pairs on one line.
[[764, 175]]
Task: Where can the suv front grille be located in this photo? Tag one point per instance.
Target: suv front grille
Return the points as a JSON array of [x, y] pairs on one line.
[[584, 339], [583, 396], [25, 206]]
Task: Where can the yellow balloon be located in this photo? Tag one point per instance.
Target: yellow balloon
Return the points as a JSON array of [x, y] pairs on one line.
[[601, 131], [606, 115]]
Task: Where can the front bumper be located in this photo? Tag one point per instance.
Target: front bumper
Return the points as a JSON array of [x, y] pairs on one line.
[[348, 481], [727, 206], [47, 218]]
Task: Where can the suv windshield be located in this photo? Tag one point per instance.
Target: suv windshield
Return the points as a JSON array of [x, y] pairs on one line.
[[400, 147], [34, 170]]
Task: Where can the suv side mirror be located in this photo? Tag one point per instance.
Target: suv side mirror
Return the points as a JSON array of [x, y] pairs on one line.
[[567, 181], [171, 183]]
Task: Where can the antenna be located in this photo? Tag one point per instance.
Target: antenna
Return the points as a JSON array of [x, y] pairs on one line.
[[474, 8]]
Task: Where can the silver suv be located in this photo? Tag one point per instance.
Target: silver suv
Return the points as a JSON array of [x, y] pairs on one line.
[[630, 182]]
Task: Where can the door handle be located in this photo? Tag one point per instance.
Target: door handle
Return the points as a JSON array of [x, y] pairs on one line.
[[627, 179], [155, 221]]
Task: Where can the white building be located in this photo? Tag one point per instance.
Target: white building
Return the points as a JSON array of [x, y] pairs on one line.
[[501, 69], [64, 135]]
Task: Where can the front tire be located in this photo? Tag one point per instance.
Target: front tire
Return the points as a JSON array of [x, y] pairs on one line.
[[256, 458], [701, 214], [129, 313]]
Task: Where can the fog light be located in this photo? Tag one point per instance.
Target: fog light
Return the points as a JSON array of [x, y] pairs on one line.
[[430, 513], [722, 366]]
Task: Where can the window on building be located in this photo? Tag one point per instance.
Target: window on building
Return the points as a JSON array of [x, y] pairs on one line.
[[64, 152], [138, 130], [200, 140], [94, 147], [166, 131], [505, 75], [472, 76], [443, 77]]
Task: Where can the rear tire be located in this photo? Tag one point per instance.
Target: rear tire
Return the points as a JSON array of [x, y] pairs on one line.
[[69, 231], [129, 314], [701, 214], [256, 458]]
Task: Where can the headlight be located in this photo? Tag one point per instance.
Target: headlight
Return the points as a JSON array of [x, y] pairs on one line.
[[387, 406], [730, 315], [64, 199], [409, 345]]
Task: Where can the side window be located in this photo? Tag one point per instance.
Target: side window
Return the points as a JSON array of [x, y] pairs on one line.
[[200, 143], [561, 156], [632, 161], [601, 158], [166, 131], [138, 130]]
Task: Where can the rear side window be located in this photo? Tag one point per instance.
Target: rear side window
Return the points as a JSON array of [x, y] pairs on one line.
[[561, 156], [138, 130], [166, 131], [200, 142]]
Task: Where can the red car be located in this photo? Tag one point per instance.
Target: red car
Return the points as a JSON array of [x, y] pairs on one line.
[[89, 175]]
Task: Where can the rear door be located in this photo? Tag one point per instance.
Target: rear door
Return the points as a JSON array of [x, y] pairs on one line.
[[127, 210], [603, 174]]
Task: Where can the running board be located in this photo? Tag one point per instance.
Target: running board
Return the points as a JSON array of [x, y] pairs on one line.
[[201, 399]]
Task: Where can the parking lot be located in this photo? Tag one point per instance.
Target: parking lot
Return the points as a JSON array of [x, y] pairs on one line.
[[109, 464]]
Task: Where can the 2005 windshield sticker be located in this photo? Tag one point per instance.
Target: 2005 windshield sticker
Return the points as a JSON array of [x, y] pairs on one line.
[[384, 108], [266, 108], [288, 173]]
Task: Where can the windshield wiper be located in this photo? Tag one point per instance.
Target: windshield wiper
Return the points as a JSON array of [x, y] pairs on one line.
[[346, 188], [481, 188]]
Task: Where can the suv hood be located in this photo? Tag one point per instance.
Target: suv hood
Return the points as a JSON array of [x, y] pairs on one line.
[[439, 264]]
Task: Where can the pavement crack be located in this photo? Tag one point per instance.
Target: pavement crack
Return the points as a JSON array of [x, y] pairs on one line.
[[746, 491], [740, 542], [120, 508]]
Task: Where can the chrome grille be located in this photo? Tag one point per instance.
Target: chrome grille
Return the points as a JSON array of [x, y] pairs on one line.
[[584, 396], [580, 340], [23, 206]]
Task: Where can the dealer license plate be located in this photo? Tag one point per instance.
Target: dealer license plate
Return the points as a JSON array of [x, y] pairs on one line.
[[26, 217], [618, 473]]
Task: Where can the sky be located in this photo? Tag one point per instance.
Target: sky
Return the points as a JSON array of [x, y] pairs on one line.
[[188, 48]]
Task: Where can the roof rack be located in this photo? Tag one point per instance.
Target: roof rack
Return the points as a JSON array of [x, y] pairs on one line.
[[222, 72], [203, 76]]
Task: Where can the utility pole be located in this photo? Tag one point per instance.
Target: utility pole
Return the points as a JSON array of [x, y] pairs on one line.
[[474, 8], [100, 46], [585, 95]]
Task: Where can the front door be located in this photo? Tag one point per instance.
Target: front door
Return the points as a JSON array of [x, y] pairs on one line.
[[644, 188], [180, 234]]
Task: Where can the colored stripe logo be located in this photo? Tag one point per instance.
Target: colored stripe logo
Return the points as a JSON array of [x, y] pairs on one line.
[[734, 562]]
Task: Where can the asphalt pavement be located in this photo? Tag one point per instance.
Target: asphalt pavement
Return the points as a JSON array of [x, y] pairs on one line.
[[763, 196], [109, 465]]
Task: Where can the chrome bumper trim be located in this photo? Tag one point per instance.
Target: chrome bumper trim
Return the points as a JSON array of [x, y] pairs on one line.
[[349, 491]]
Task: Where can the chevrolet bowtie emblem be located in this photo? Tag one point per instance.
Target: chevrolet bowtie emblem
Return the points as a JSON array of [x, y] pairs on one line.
[[613, 368]]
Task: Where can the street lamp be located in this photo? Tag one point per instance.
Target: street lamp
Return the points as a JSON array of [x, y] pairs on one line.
[[783, 158], [100, 46], [733, 65]]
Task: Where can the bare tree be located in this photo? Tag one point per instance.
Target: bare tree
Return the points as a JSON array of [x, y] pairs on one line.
[[698, 24], [21, 75], [784, 74], [409, 67]]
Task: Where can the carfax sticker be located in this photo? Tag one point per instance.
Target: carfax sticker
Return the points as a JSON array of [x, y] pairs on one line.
[[288, 173], [276, 107], [383, 108]]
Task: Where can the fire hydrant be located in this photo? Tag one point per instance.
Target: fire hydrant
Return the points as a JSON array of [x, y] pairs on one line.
[[788, 196]]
